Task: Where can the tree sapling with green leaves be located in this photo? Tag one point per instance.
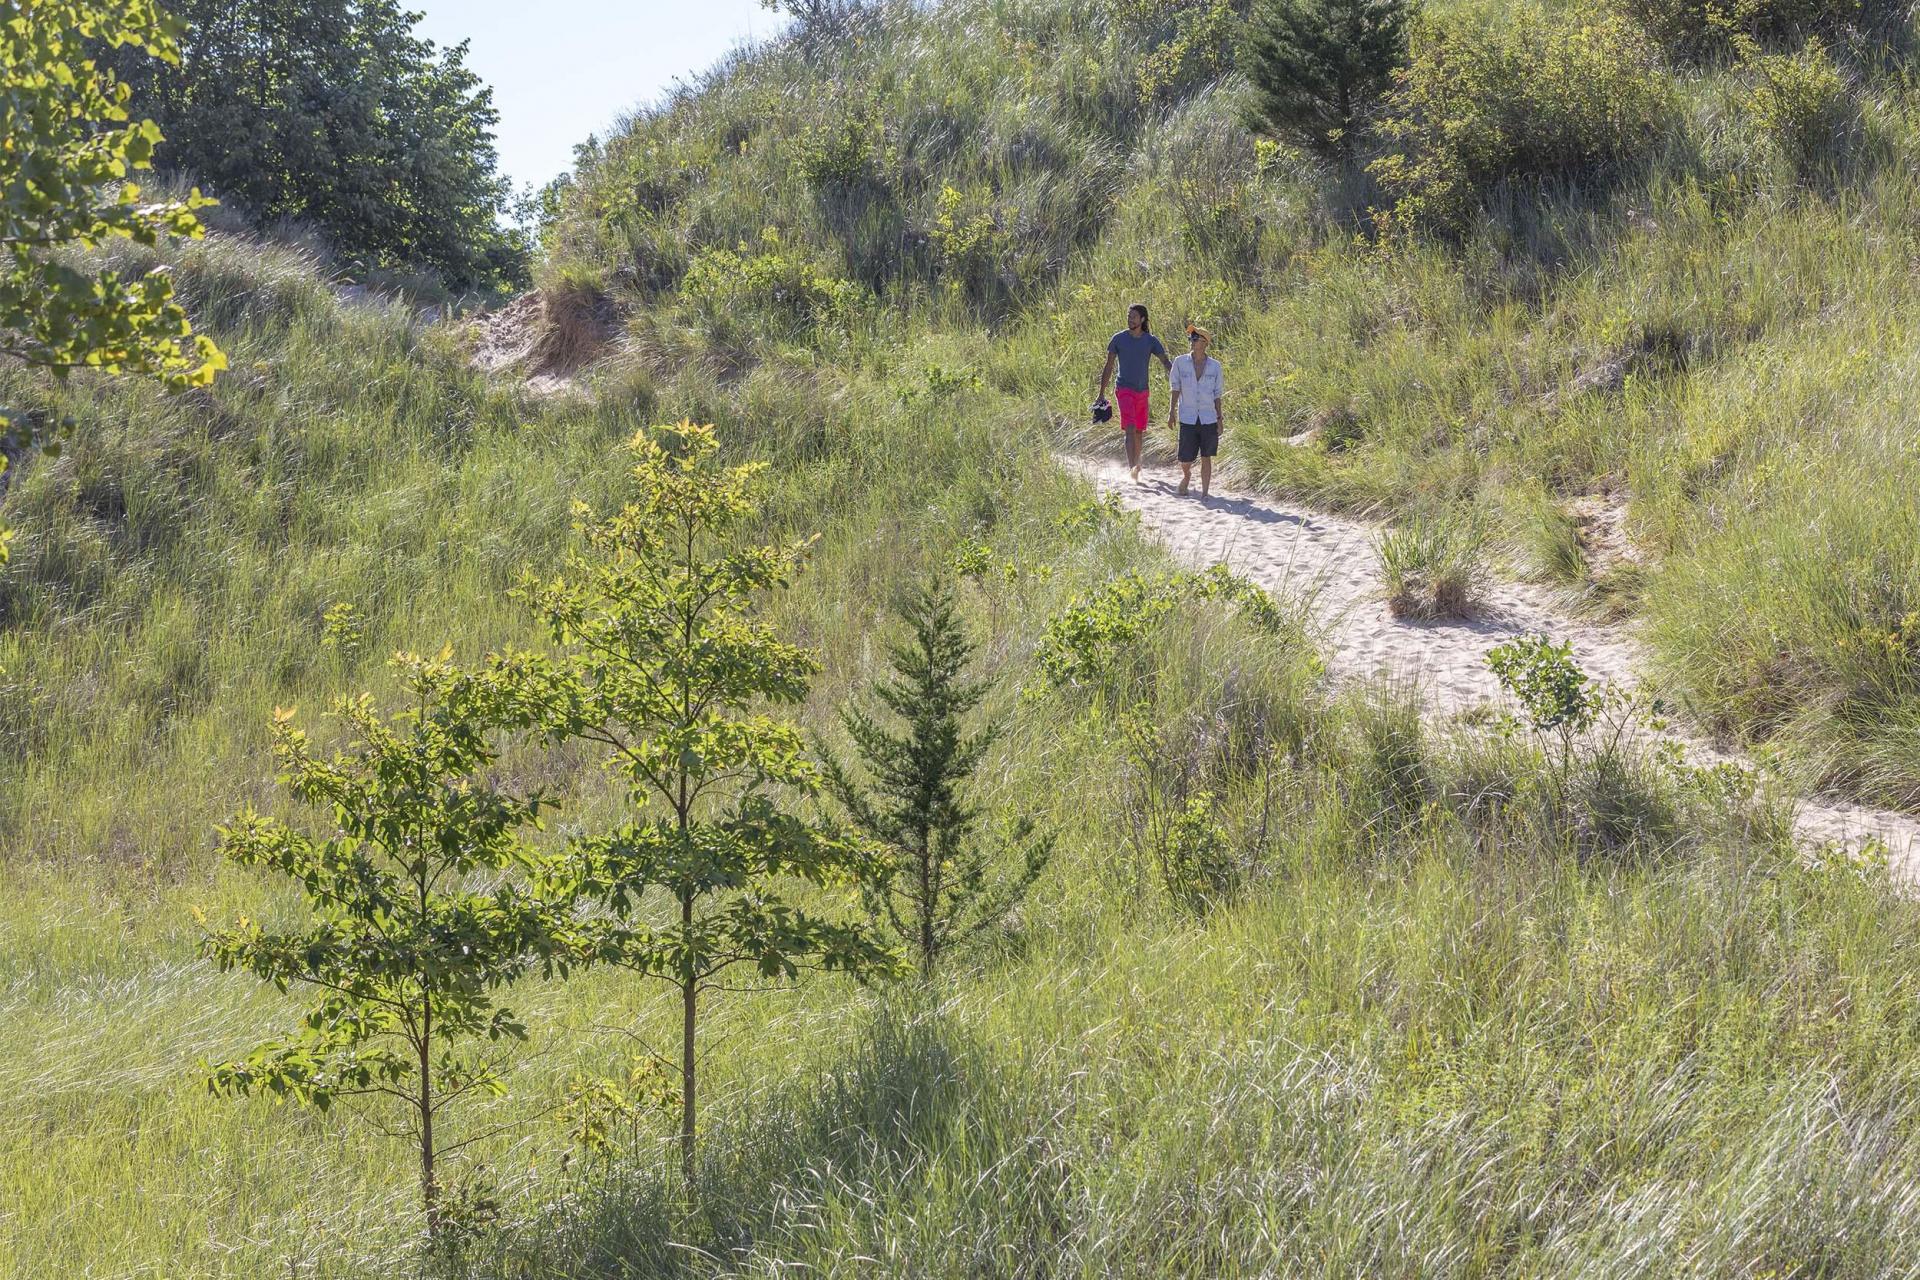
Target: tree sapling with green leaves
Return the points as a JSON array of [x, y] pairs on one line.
[[939, 890], [668, 669], [70, 145], [419, 913]]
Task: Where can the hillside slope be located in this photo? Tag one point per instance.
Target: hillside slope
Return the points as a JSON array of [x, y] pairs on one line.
[[1710, 333], [1313, 985]]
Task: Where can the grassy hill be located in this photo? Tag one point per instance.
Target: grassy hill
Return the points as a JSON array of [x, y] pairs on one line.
[[1406, 1002]]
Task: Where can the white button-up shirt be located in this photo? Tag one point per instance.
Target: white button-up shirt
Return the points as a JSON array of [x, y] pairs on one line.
[[1197, 391]]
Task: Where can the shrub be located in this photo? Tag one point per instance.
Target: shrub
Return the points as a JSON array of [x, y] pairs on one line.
[[1691, 31], [1198, 43], [845, 152], [968, 241], [1319, 67], [1527, 98], [779, 290], [1434, 566], [1799, 101], [1091, 640]]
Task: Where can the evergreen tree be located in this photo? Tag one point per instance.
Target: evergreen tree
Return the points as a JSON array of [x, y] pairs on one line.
[[669, 672], [418, 917], [939, 890], [1318, 66], [335, 114]]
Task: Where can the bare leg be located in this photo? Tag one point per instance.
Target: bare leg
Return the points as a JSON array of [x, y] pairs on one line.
[[1133, 449], [1206, 476], [1186, 475]]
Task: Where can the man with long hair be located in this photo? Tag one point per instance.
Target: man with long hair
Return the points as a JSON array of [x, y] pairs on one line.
[[1133, 349]]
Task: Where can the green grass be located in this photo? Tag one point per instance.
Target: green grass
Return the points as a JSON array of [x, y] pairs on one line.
[[1434, 566], [1448, 1016], [1715, 330]]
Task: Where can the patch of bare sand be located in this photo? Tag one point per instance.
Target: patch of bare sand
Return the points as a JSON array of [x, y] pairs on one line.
[[1291, 549], [545, 339]]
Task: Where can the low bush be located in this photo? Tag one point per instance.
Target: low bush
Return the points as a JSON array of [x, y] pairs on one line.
[[1692, 31], [1521, 96], [1800, 103], [777, 291]]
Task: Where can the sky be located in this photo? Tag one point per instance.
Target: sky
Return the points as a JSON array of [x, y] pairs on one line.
[[563, 69]]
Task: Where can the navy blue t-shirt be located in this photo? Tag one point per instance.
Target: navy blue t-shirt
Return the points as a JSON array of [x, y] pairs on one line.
[[1135, 350]]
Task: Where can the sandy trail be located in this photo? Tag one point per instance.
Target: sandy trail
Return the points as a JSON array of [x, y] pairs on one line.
[[1286, 548]]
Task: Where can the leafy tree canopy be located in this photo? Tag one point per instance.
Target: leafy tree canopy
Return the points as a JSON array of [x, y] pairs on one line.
[[419, 911], [70, 145], [334, 113]]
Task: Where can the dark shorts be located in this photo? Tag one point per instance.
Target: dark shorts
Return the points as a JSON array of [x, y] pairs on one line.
[[1199, 441]]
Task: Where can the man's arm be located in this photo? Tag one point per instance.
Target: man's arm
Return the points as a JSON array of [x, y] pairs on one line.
[[1219, 394], [1106, 372], [1173, 410], [1166, 362]]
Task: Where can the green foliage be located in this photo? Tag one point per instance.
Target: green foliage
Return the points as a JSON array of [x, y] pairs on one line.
[[418, 909], [1693, 31], [1800, 102], [1091, 641], [1520, 96], [846, 150], [940, 384], [669, 671], [938, 889], [968, 241], [334, 113], [605, 1115], [779, 291], [71, 145], [1542, 676], [1319, 67], [1435, 565], [342, 628], [1198, 48]]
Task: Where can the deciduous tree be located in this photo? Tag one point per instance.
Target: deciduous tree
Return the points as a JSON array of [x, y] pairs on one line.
[[337, 114], [419, 913], [71, 146], [670, 670]]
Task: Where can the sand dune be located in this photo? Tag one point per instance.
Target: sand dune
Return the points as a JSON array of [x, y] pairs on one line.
[[1286, 548]]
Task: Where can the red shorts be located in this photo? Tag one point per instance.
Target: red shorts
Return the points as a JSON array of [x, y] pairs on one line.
[[1133, 407]]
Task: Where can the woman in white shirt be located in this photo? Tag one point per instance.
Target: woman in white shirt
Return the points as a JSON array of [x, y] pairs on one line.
[[1197, 390]]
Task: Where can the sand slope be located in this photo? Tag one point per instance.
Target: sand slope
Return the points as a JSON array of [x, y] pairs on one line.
[[1286, 548]]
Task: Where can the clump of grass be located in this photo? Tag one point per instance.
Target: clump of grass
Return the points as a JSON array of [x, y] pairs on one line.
[[1435, 565]]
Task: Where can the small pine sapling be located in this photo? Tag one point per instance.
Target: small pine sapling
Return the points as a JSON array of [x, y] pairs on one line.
[[668, 670], [1319, 67], [418, 914], [940, 890]]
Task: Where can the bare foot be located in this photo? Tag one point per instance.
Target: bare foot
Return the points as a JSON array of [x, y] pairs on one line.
[[1183, 488], [1136, 475]]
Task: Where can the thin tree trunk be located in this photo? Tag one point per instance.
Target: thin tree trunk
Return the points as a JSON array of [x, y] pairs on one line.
[[689, 993], [926, 905], [429, 1189]]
